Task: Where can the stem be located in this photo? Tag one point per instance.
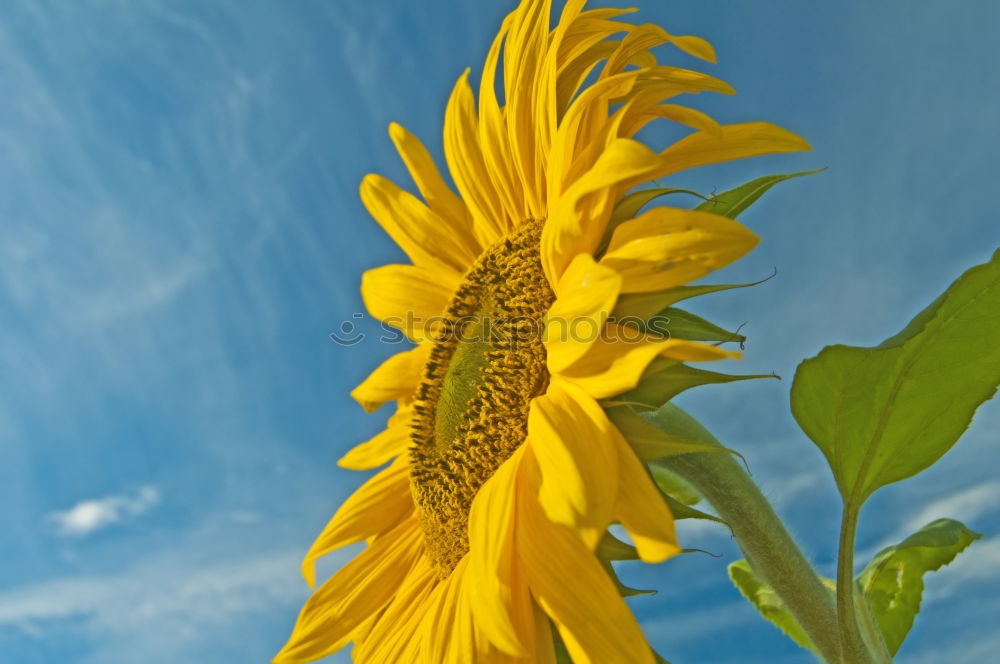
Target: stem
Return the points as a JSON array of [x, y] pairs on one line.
[[770, 550], [855, 647], [851, 645]]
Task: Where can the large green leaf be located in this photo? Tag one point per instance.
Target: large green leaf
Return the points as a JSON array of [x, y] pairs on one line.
[[893, 582], [767, 602], [886, 413], [731, 203]]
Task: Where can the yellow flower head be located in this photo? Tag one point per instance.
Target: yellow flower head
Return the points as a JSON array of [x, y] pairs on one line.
[[506, 472]]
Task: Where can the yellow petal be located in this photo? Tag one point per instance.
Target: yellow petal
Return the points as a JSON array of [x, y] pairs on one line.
[[446, 630], [586, 293], [573, 442], [574, 590], [429, 241], [376, 507], [615, 363], [394, 636], [642, 510], [438, 195], [637, 118], [493, 136], [408, 297], [696, 46], [526, 128], [395, 379], [667, 247], [490, 569], [361, 588], [383, 447], [468, 168], [579, 216], [735, 142]]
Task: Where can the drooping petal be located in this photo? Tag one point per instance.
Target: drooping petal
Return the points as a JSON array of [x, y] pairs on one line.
[[376, 507], [615, 363], [586, 293], [577, 221], [490, 571], [573, 441], [407, 297], [393, 638], [446, 633], [395, 379], [642, 510], [361, 588], [667, 247], [574, 589], [736, 141]]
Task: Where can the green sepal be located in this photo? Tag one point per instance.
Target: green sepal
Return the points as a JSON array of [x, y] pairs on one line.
[[649, 439], [893, 582], [883, 414], [629, 205], [731, 203], [676, 323], [682, 511], [664, 379], [645, 305], [768, 603], [674, 485], [623, 590], [612, 548]]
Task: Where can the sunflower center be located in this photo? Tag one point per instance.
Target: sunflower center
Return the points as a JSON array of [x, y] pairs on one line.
[[471, 410]]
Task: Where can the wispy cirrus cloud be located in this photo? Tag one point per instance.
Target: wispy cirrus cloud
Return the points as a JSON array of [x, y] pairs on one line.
[[89, 516]]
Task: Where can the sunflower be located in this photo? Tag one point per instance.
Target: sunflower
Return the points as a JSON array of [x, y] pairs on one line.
[[482, 534]]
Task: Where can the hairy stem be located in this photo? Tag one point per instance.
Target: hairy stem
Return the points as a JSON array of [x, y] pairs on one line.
[[770, 550], [852, 610], [852, 647]]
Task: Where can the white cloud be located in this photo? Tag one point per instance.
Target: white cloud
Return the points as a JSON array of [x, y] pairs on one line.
[[89, 516], [966, 505], [167, 609], [977, 565]]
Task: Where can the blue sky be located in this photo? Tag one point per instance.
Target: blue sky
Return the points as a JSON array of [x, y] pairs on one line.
[[181, 232]]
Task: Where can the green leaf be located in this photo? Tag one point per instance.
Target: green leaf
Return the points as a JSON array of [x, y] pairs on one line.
[[883, 414], [679, 324], [731, 203], [665, 379], [767, 603], [893, 582]]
